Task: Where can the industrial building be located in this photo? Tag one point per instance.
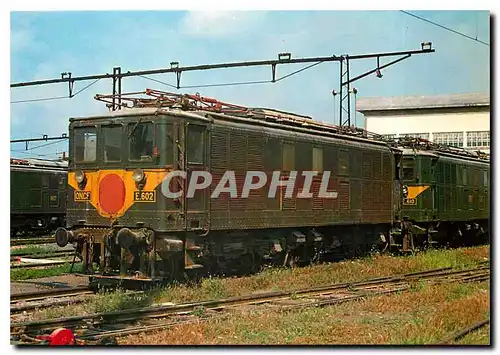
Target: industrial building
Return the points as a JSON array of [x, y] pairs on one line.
[[459, 120]]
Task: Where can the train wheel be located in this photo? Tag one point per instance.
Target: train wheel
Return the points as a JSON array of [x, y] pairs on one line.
[[291, 259]]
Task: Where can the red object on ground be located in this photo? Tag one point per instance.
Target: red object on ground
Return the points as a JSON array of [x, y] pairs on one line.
[[60, 336]]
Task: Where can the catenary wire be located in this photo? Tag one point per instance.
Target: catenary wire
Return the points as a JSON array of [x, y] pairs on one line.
[[158, 81], [446, 28], [41, 145], [55, 97], [235, 83]]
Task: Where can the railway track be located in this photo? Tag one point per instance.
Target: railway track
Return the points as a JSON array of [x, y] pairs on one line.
[[43, 255], [41, 295], [21, 302], [463, 332], [41, 265], [99, 326], [31, 241]]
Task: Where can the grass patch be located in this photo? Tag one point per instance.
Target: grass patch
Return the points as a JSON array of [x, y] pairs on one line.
[[118, 300], [423, 317], [285, 279], [101, 302], [27, 273]]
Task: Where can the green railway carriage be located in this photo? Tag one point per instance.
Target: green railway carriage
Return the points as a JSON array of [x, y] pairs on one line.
[[37, 195], [446, 193]]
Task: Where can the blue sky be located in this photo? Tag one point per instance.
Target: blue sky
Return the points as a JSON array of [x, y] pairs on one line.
[[44, 44]]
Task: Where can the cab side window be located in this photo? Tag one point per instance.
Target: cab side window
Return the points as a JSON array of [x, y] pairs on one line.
[[140, 136], [408, 169], [112, 139]]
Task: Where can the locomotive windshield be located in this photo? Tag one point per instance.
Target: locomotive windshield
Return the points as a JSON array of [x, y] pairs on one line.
[[141, 141], [85, 144], [112, 139]]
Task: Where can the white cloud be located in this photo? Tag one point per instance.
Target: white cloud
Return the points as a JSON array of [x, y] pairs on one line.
[[219, 23], [20, 40]]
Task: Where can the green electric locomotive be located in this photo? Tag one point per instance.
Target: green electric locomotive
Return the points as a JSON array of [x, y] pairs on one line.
[[37, 195]]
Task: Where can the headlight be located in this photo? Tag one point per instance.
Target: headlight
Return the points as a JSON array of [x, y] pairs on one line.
[[79, 176], [138, 175]]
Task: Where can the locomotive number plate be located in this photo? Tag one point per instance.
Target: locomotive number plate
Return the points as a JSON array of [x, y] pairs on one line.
[[145, 196], [410, 201], [82, 195]]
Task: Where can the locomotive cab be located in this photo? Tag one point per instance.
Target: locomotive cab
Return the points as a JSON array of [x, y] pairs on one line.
[[117, 214]]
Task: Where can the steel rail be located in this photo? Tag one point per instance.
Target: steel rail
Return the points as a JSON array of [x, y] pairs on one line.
[[186, 308], [27, 241], [40, 265], [43, 255], [39, 295], [27, 307], [461, 333]]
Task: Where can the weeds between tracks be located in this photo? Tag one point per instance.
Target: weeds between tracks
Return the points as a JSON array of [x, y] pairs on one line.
[[308, 298], [420, 316]]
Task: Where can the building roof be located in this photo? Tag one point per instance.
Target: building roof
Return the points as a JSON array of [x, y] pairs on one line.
[[367, 104]]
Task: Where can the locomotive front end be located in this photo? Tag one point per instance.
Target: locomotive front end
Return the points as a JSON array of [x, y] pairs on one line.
[[117, 166]]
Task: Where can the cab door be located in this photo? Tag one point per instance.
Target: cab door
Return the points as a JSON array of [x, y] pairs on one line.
[[196, 163]]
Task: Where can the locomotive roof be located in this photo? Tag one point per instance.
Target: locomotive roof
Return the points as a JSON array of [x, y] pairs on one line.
[[207, 109], [437, 154], [263, 117]]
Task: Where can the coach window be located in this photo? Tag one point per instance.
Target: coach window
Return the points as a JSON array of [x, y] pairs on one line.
[[140, 136], [112, 141], [317, 159], [485, 178], [464, 176], [85, 144], [195, 144]]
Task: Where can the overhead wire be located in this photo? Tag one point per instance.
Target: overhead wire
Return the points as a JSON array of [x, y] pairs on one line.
[[41, 145], [41, 99], [227, 84], [158, 81], [34, 154], [233, 83], [56, 97], [86, 87], [444, 27], [298, 71]]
